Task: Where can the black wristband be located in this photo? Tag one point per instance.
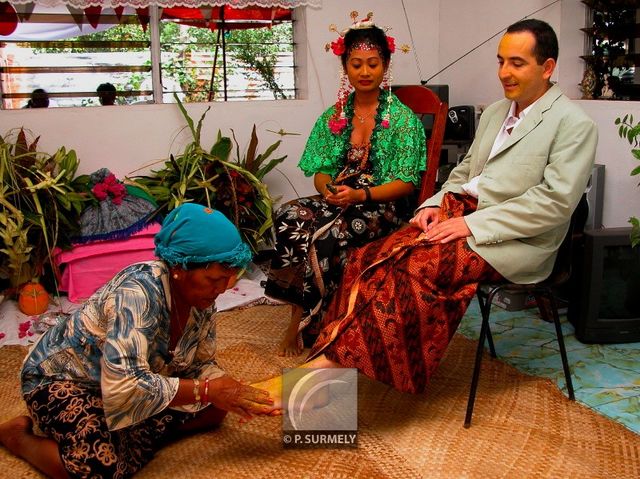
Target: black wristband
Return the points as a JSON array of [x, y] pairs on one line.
[[367, 194]]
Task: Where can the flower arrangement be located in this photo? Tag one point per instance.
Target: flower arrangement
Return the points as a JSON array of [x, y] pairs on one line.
[[110, 187]]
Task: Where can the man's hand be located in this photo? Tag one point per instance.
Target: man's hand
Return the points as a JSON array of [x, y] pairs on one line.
[[448, 230], [230, 395], [426, 218]]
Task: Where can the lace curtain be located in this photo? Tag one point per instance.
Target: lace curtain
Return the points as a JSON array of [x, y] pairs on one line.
[[174, 3]]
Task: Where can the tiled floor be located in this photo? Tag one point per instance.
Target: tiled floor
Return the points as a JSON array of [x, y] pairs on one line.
[[605, 377]]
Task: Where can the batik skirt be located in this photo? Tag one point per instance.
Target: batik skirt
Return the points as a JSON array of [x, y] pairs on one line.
[[72, 414], [312, 240], [401, 302]]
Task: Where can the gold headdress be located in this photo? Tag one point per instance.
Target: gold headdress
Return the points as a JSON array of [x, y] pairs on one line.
[[339, 120]]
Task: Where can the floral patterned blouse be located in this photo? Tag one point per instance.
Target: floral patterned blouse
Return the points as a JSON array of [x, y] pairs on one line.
[[397, 152], [119, 341]]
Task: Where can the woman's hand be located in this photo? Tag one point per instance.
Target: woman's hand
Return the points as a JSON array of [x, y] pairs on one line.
[[345, 196], [230, 395]]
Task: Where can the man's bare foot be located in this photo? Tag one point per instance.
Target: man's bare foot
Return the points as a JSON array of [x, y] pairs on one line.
[[274, 387], [14, 431]]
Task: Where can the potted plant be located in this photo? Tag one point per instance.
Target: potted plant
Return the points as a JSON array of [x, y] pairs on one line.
[[210, 177], [631, 132], [39, 206]]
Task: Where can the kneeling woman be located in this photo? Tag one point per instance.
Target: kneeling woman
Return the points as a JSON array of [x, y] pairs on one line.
[[135, 366]]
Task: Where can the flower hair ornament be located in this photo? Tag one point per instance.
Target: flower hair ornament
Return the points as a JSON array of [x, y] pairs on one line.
[[339, 120]]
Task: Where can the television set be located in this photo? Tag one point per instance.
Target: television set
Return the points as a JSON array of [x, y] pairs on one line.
[[605, 302]]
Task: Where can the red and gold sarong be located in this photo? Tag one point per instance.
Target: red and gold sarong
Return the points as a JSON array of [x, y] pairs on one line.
[[400, 303]]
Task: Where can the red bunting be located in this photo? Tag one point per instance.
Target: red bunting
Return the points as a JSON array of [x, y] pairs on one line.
[[93, 15], [237, 18], [118, 11], [8, 19], [143, 17]]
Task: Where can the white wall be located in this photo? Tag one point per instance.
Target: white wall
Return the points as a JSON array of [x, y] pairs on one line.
[[126, 139], [621, 192], [465, 24]]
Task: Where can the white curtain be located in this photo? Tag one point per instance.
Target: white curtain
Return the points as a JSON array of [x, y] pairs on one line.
[[174, 3]]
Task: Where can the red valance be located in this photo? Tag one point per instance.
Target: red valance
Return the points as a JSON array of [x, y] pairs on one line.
[[174, 3]]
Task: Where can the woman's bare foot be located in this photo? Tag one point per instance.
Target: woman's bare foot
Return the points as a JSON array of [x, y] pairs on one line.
[[14, 431], [41, 452], [289, 345]]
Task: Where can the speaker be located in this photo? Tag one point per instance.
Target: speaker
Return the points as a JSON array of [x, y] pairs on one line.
[[460, 123], [595, 198]]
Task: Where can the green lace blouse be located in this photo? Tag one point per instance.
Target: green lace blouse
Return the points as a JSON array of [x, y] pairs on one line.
[[396, 153]]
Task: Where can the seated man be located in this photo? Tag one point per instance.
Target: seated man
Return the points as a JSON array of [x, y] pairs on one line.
[[503, 213]]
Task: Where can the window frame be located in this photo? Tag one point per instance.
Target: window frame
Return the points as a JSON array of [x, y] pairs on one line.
[[155, 92]]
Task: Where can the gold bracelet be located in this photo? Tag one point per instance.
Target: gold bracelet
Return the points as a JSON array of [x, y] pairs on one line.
[[206, 392], [196, 392]]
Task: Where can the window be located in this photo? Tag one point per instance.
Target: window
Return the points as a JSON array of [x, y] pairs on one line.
[[203, 54], [613, 50]]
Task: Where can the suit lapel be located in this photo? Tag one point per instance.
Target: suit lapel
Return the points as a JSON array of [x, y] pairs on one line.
[[489, 136], [532, 120]]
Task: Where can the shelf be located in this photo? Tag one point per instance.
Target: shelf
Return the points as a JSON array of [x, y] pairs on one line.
[[623, 32], [608, 5], [630, 59]]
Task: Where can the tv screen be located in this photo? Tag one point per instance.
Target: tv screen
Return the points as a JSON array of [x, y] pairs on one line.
[[605, 306]]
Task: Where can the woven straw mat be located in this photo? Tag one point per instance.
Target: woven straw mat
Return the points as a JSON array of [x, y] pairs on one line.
[[523, 427]]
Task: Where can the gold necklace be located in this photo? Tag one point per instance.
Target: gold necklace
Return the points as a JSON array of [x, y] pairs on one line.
[[363, 118]]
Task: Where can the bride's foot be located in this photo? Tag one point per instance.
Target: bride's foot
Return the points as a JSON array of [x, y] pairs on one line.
[[289, 346]]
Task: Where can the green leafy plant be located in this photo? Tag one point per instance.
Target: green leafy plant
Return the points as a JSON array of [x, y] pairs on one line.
[[40, 203], [210, 177], [631, 132]]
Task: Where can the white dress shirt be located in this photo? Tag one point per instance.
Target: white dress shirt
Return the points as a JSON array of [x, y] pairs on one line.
[[510, 123]]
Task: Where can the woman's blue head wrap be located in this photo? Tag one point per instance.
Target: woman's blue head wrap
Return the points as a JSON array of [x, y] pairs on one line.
[[193, 233]]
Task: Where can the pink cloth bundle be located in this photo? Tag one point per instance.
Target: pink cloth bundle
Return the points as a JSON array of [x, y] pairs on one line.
[[86, 267]]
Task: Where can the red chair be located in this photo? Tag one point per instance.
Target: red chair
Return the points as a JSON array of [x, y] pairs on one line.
[[425, 102]]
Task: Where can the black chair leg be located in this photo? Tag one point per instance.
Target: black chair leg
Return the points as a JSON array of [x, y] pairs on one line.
[[485, 309], [563, 351], [492, 348]]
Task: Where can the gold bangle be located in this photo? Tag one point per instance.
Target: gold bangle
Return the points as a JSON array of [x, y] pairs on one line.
[[206, 392], [196, 392]]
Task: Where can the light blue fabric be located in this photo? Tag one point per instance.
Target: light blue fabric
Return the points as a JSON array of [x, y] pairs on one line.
[[194, 233], [118, 341]]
